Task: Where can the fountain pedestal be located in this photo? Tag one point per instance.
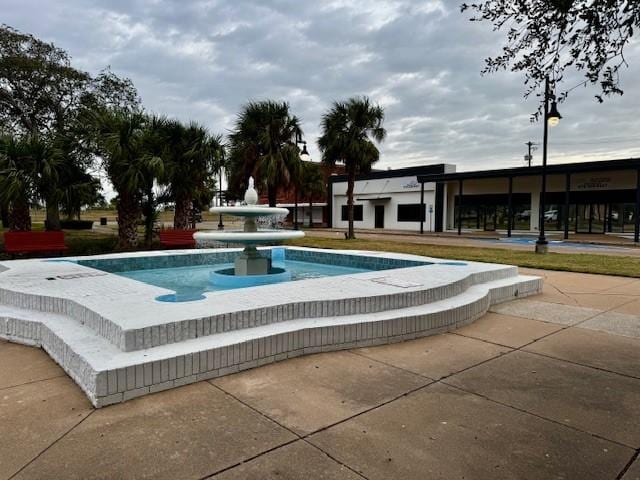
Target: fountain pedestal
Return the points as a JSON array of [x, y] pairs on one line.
[[250, 267], [250, 262]]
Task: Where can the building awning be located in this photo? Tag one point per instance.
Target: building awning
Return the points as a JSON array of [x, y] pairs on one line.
[[372, 197], [301, 204], [553, 169]]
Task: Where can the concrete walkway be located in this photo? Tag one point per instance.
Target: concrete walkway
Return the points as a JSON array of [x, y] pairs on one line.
[[545, 387], [580, 243]]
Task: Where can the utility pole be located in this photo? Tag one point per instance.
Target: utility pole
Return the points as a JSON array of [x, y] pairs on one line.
[[529, 157]]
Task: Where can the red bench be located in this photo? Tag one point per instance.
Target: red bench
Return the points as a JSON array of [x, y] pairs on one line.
[[177, 238], [34, 242]]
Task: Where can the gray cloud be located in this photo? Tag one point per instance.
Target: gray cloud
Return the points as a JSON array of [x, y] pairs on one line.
[[202, 60]]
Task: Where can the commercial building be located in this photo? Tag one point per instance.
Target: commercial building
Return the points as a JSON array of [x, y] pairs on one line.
[[587, 197], [391, 199]]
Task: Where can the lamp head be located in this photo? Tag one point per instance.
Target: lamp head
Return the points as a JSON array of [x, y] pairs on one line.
[[553, 117], [304, 153]]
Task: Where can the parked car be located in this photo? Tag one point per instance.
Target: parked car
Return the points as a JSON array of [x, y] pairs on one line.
[[551, 215]]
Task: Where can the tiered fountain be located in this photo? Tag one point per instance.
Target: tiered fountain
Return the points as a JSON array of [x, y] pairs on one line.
[[250, 267]]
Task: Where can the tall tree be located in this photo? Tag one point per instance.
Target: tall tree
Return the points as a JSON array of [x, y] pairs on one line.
[[154, 154], [193, 156], [42, 95], [120, 139], [37, 83], [312, 185], [263, 144], [22, 162], [38, 89], [349, 130], [546, 38], [80, 191]]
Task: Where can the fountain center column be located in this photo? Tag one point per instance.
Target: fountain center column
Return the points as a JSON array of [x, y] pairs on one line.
[[250, 262]]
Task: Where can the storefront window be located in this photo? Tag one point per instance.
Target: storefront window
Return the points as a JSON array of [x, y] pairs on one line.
[[491, 212], [357, 213]]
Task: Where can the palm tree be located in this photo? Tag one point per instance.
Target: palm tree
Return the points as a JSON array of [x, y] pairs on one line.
[[154, 145], [263, 144], [121, 140], [349, 130], [312, 185], [192, 160], [18, 179]]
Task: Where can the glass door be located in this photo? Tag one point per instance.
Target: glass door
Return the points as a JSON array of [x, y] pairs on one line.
[[583, 218], [489, 213]]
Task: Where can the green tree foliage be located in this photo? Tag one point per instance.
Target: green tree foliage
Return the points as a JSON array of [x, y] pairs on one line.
[[37, 83], [25, 163], [349, 132], [124, 141], [312, 185], [42, 102], [262, 144], [546, 38], [193, 156]]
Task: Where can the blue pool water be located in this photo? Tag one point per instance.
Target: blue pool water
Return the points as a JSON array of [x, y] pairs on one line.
[[191, 282]]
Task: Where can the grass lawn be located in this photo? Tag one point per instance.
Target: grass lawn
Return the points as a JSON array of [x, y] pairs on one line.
[[90, 242], [570, 262], [38, 215]]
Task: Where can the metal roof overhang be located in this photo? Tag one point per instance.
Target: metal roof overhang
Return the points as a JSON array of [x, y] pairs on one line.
[[372, 197], [563, 168]]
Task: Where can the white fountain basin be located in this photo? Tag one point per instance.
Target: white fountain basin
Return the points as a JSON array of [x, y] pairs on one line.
[[250, 210], [249, 237]]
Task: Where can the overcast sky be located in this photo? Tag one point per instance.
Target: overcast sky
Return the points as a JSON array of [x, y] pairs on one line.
[[202, 60]]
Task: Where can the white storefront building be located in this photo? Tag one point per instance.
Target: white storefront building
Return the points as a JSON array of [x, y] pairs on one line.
[[586, 197], [389, 199]]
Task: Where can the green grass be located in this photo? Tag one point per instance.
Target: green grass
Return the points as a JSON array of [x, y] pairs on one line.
[[569, 262], [87, 242]]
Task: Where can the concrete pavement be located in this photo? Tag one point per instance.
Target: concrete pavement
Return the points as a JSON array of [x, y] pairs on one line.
[[577, 243], [540, 388]]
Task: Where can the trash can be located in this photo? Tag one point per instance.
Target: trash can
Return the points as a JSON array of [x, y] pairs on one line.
[[103, 220]]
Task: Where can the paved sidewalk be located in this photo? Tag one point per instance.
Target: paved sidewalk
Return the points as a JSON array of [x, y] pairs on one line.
[[581, 243], [540, 388]]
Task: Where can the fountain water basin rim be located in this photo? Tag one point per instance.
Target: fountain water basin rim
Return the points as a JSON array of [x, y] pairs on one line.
[[250, 210], [249, 237], [226, 278]]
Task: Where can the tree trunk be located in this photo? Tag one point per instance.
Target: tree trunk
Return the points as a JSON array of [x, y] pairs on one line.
[[310, 212], [149, 218], [351, 179], [19, 216], [181, 214], [272, 194], [53, 216], [128, 214], [4, 216]]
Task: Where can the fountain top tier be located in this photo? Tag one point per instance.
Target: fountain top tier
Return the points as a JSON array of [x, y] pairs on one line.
[[250, 234], [250, 209]]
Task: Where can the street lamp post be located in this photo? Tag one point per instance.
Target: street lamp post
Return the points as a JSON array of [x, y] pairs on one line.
[[551, 118], [304, 153], [220, 224]]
